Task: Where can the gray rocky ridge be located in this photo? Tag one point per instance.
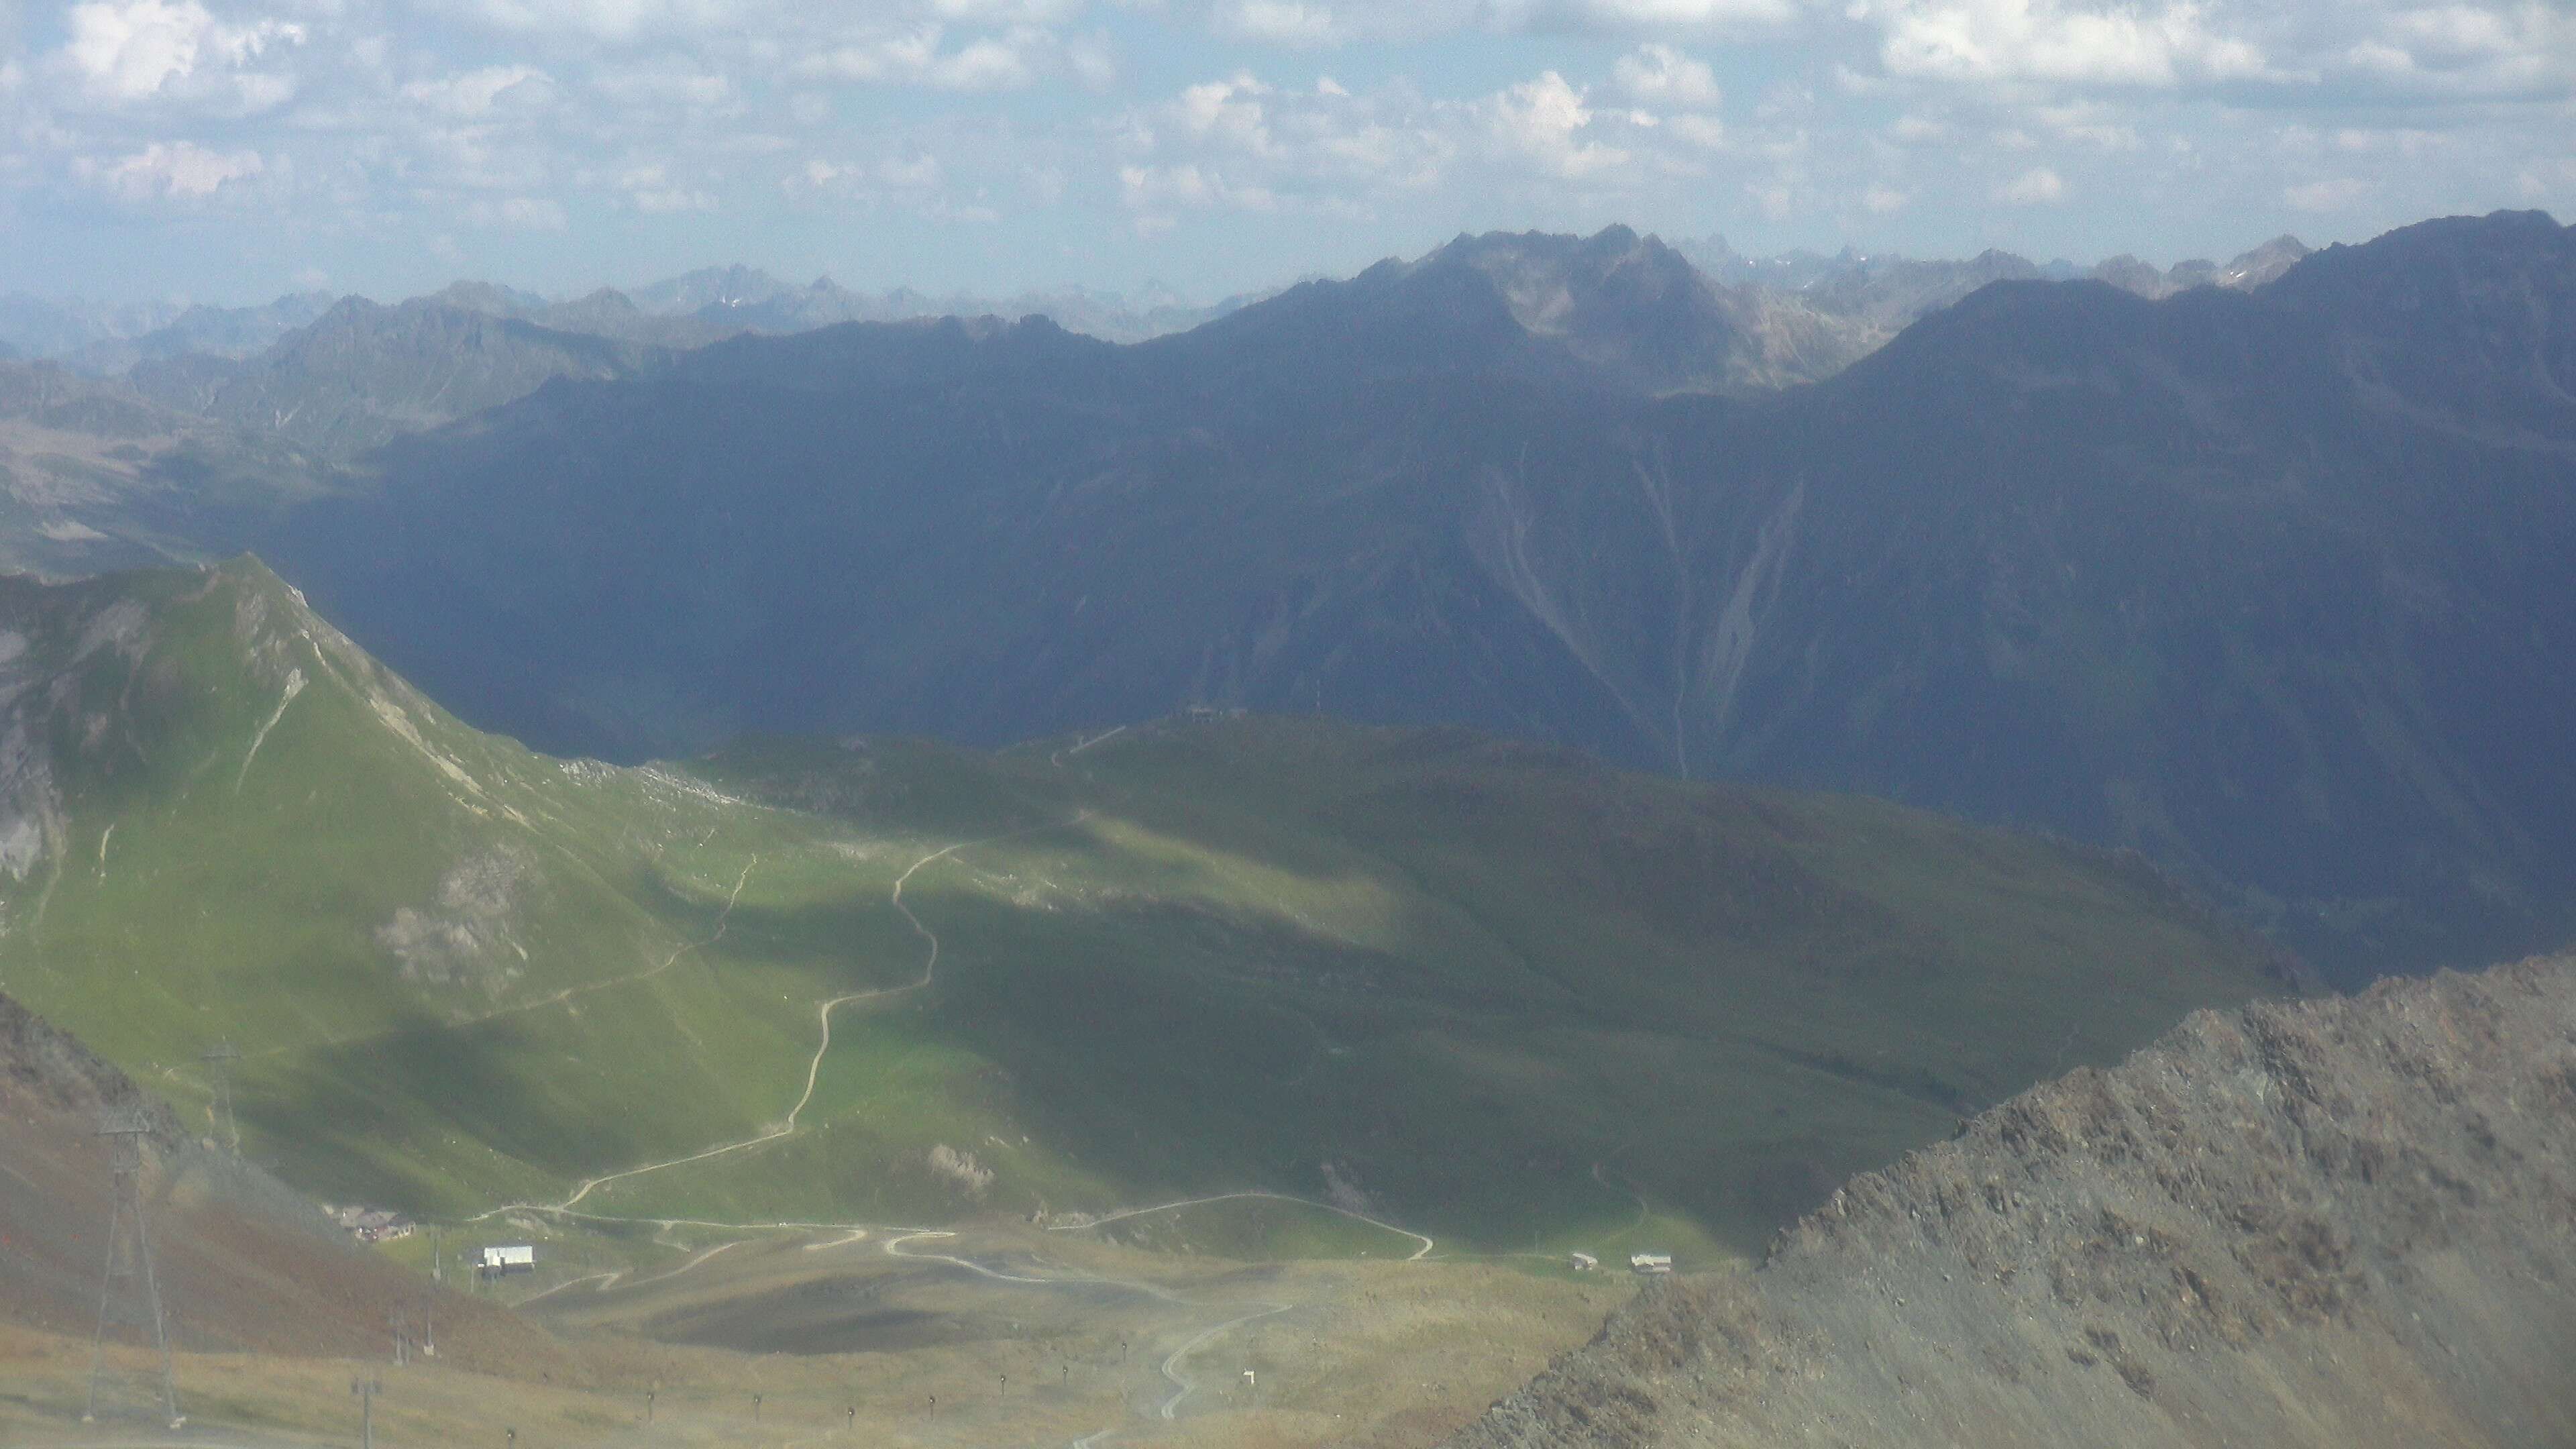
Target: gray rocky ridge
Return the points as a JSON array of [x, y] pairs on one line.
[[2348, 1222]]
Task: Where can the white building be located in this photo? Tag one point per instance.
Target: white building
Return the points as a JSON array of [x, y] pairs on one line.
[[507, 1258], [1651, 1262], [1585, 1262]]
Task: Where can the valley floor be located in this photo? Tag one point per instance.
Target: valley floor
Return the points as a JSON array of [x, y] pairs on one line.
[[1001, 1334]]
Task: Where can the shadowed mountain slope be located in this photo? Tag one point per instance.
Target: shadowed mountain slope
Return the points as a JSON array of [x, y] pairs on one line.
[[2266, 584], [1423, 975], [2338, 1223]]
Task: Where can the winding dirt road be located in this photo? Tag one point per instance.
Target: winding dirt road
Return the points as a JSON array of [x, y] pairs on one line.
[[895, 1239], [823, 1015], [1416, 1256], [1182, 1388]]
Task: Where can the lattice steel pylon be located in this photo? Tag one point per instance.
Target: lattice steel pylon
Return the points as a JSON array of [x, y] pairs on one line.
[[126, 1230], [219, 1062]]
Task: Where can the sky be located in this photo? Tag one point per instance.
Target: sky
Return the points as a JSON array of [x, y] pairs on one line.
[[231, 150]]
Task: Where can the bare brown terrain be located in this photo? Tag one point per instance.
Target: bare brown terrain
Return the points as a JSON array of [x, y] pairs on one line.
[[992, 1332], [245, 1264], [2347, 1222]]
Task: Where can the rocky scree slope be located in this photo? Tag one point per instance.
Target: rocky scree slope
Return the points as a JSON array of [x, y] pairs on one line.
[[2346, 1222]]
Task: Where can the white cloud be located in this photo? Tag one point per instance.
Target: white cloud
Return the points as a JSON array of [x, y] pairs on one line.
[[2039, 186], [907, 177], [919, 56], [990, 64], [1231, 109], [609, 20], [2491, 48], [172, 169], [1255, 144], [918, 172], [1650, 16], [1884, 200], [1008, 12], [2054, 40], [664, 86], [1545, 121], [1707, 133], [519, 213], [132, 50], [1295, 23], [900, 55], [477, 93], [2335, 194], [1681, 14], [1311, 23], [1657, 74], [652, 191]]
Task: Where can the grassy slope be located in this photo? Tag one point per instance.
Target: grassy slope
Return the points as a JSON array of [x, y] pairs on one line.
[[1499, 992]]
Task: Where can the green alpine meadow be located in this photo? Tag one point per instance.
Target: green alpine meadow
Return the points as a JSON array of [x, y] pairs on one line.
[[1422, 982]]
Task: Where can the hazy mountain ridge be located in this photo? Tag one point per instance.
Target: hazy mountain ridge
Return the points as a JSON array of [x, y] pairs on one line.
[[93, 476], [363, 374], [2333, 1223], [739, 298], [716, 302], [1851, 305], [339, 378], [2215, 576]]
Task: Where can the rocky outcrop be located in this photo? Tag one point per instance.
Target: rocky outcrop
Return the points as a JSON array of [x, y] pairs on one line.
[[2347, 1222]]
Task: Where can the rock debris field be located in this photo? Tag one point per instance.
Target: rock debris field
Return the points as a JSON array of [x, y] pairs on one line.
[[2347, 1222]]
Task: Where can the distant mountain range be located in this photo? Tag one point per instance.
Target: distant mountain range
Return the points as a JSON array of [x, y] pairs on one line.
[[716, 302], [683, 311], [2227, 577], [339, 377], [2257, 576], [1861, 302]]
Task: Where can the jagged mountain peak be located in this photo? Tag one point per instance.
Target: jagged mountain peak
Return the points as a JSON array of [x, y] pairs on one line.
[[1612, 310], [2263, 264], [731, 285]]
